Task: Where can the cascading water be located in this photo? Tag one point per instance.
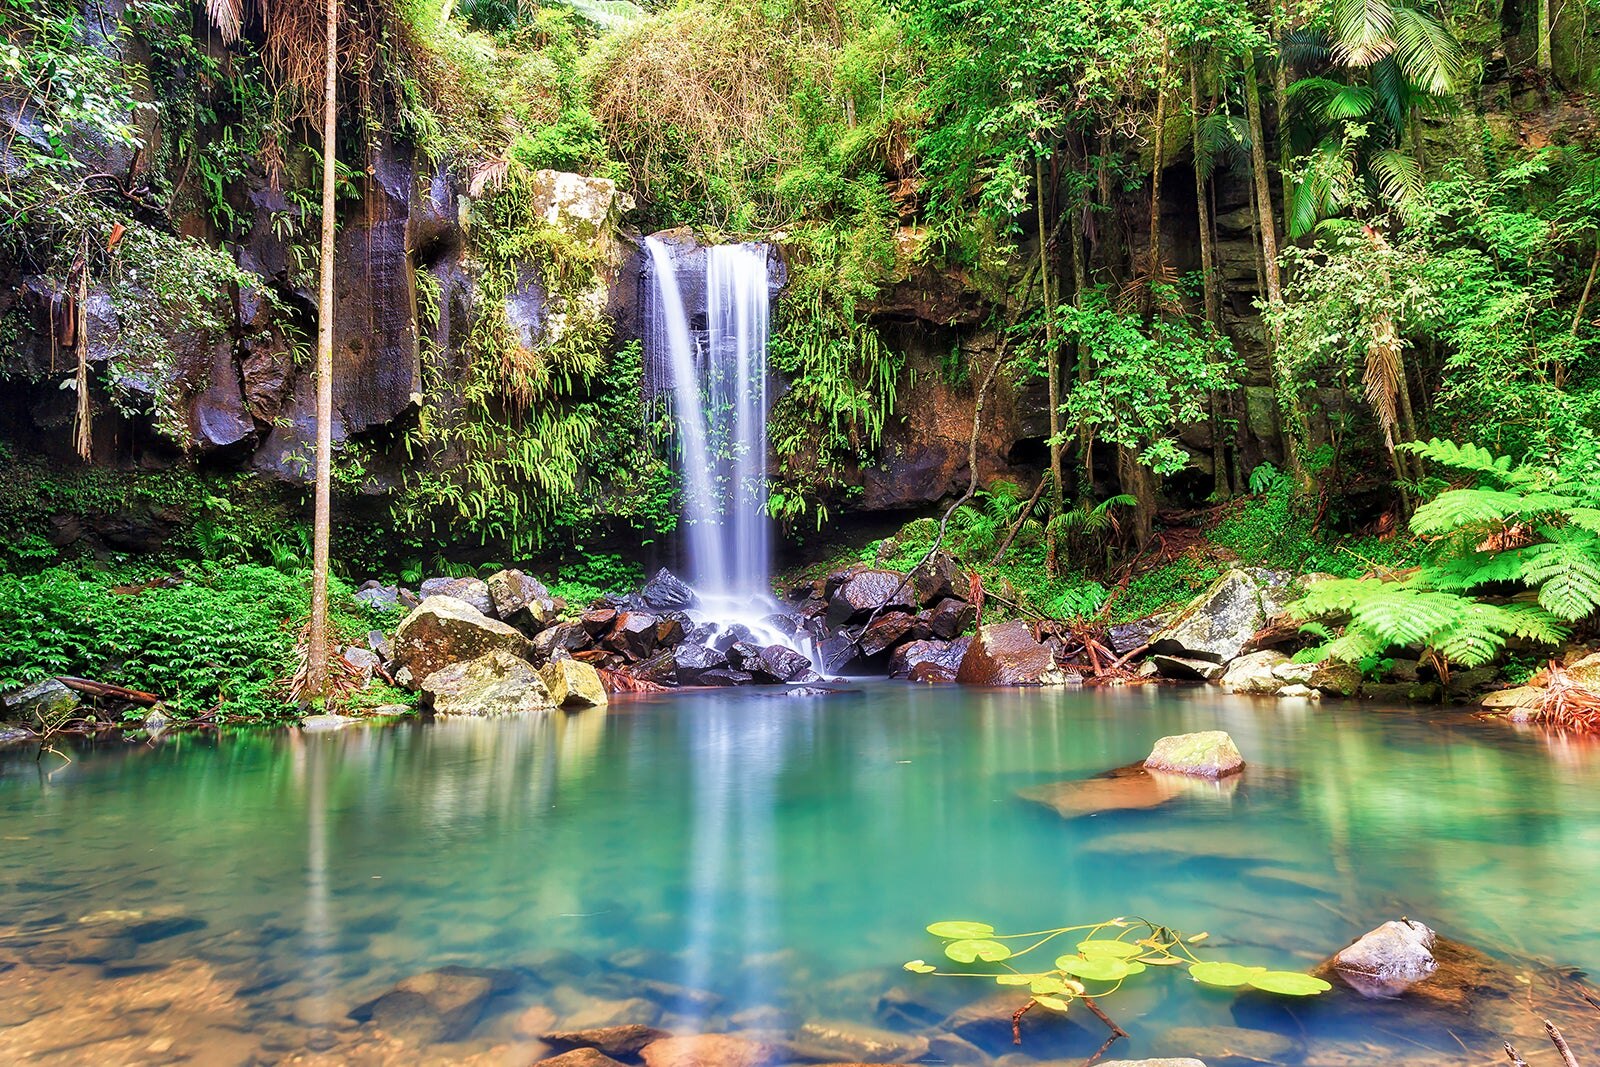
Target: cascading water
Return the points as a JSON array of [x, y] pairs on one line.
[[715, 382]]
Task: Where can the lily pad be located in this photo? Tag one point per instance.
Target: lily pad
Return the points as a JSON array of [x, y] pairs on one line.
[[1119, 950], [1225, 975], [956, 929], [1289, 983], [920, 967], [977, 949], [1015, 979], [1053, 1003], [1097, 968], [1048, 983]]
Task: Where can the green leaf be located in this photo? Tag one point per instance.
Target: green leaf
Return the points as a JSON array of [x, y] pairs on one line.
[[955, 929], [1097, 968], [1053, 1003], [920, 967], [1120, 950], [1049, 983], [967, 951], [1226, 975], [1015, 979], [1289, 983]]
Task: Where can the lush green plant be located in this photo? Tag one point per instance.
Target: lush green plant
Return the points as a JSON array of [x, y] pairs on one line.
[[1110, 953]]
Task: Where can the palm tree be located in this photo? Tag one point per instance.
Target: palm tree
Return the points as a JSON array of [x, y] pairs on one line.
[[289, 41]]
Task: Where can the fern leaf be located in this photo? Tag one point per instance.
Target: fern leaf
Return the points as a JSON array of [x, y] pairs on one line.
[[1400, 616], [1474, 569], [1355, 645], [1533, 622], [1566, 573], [1585, 518], [1474, 458], [1457, 508]]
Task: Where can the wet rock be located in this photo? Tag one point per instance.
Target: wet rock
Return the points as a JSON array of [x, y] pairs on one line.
[[954, 1049], [443, 630], [1217, 624], [596, 621], [1127, 636], [473, 591], [1006, 654], [580, 1057], [866, 591], [744, 655], [660, 669], [708, 1050], [1389, 960], [1299, 692], [1253, 674], [1226, 1044], [950, 618], [736, 634], [1166, 1061], [837, 1040], [1185, 669], [561, 639], [691, 661], [669, 632], [665, 591], [725, 676], [1134, 787], [46, 701], [573, 684], [634, 635], [439, 1005], [1336, 679], [945, 655], [325, 724], [775, 663], [365, 661], [521, 600], [1520, 704], [12, 735], [624, 1040], [937, 579], [496, 684], [1206, 754], [884, 632]]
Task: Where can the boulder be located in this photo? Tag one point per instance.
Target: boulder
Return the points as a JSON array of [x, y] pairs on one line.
[[1216, 625], [1520, 704], [665, 591], [626, 1039], [1336, 679], [439, 1005], [1127, 636], [950, 618], [1389, 960], [580, 1057], [724, 640], [775, 663], [937, 579], [320, 724], [46, 701], [839, 1041], [1300, 692], [596, 621], [1586, 672], [560, 640], [443, 630], [744, 655], [1186, 669], [884, 632], [521, 600], [725, 676], [1207, 754], [1006, 654], [496, 684], [1131, 788], [691, 661], [573, 684], [837, 653], [11, 735], [472, 590], [1253, 674], [377, 595], [944, 655], [669, 632], [634, 635], [1292, 673], [866, 591], [708, 1050]]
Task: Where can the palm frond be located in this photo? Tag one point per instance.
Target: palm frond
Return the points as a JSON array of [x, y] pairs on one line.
[[1425, 50], [228, 18], [1400, 178], [1362, 30]]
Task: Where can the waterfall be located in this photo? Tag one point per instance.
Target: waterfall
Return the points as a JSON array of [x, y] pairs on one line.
[[715, 383]]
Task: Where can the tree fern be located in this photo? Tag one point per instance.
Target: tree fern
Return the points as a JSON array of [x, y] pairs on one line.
[[1566, 571]]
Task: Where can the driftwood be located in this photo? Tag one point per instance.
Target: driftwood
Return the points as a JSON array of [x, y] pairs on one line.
[[1567, 1058], [107, 691]]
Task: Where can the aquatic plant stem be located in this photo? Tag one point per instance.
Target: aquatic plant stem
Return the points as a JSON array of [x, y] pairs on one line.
[[1560, 1043]]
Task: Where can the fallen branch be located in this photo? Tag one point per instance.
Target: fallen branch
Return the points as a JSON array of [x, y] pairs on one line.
[[108, 691], [1560, 1043], [1119, 663]]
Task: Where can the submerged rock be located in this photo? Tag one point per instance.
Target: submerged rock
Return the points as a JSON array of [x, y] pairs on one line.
[[325, 724], [472, 590], [573, 684], [1216, 625], [1007, 654], [496, 684], [624, 1040], [1134, 787], [709, 1050], [443, 630], [1167, 1061], [1389, 960], [580, 1057], [841, 1041], [1207, 754], [439, 1005]]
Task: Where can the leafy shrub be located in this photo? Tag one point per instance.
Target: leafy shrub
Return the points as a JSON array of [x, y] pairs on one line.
[[223, 639]]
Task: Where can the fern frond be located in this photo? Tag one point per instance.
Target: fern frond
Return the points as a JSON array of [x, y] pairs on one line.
[[1533, 622], [1400, 616], [1474, 458], [1355, 645], [1585, 518], [1474, 569], [1567, 574], [1457, 508]]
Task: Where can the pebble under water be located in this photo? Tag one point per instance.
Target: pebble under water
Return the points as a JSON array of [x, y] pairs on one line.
[[723, 860]]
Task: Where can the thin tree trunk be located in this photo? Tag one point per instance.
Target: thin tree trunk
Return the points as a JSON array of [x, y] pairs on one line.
[[1588, 287], [317, 652], [1408, 421], [1158, 158], [1051, 367], [1546, 54], [1208, 278], [1280, 100], [1080, 283], [1274, 279]]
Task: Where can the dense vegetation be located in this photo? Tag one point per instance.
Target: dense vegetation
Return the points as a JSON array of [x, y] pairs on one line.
[[1239, 259]]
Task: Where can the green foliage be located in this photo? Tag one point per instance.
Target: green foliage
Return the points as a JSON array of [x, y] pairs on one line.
[[1520, 524], [220, 641], [1109, 954], [593, 576]]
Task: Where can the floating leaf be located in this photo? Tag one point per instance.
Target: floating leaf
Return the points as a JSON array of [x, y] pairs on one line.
[[1053, 1003], [1226, 975], [969, 950], [1165, 961], [956, 929], [1119, 950], [920, 967], [1049, 983], [1014, 979], [1097, 968], [1289, 983]]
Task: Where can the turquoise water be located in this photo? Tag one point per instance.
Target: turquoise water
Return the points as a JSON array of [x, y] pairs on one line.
[[784, 853]]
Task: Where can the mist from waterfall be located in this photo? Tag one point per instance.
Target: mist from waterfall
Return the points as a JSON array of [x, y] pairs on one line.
[[715, 381]]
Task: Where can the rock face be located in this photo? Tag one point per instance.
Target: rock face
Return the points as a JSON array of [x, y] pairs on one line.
[[1389, 960], [1006, 654], [1207, 754], [443, 630], [1216, 625], [494, 684], [471, 590], [573, 684]]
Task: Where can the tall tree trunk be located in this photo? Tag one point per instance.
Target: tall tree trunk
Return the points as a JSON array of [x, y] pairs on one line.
[[1080, 284], [1138, 482], [317, 652], [1208, 277], [1156, 167], [1051, 365], [1546, 55], [1274, 279]]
